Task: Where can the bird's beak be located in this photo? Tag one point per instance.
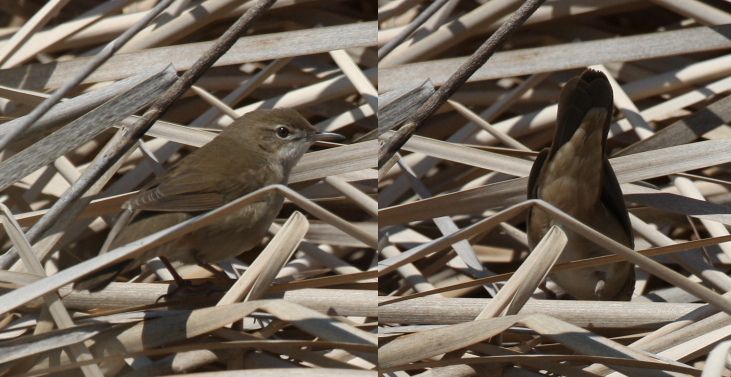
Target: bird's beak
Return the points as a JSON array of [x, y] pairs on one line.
[[322, 136]]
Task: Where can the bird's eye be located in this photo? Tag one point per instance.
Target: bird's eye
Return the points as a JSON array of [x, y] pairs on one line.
[[282, 132]]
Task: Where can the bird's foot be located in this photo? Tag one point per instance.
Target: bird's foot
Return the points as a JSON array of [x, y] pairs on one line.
[[180, 286], [186, 290]]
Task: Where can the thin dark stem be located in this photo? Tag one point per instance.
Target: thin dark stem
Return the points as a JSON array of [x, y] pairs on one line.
[[128, 136], [458, 78], [418, 21], [27, 121]]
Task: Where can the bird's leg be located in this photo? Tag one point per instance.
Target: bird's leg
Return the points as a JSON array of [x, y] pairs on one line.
[[179, 281], [209, 268], [213, 270], [183, 286]]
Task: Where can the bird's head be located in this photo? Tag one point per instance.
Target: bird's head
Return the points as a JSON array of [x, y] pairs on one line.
[[282, 135]]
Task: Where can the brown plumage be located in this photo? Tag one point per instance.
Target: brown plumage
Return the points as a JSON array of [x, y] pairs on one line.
[[575, 176], [257, 150]]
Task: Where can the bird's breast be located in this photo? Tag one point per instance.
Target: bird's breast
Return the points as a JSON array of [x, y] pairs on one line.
[[250, 215], [237, 231]]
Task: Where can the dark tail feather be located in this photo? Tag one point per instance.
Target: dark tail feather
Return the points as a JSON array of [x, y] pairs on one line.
[[625, 294], [100, 279]]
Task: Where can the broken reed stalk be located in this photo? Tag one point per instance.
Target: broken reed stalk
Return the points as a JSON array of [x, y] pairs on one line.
[[647, 264], [458, 78], [99, 59], [418, 21], [22, 295], [127, 137]]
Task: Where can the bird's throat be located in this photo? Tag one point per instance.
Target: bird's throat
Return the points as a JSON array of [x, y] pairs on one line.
[[572, 178]]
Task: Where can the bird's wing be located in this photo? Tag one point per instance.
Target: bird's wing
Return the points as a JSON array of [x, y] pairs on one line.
[[535, 171], [190, 191], [625, 293], [185, 189], [614, 201]]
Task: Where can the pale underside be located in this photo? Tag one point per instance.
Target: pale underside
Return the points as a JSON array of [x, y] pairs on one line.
[[566, 183]]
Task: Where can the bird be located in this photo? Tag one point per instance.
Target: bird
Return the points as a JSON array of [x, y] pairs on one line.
[[575, 176], [258, 149]]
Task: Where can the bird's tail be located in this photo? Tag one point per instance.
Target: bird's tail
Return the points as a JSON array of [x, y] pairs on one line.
[[98, 280]]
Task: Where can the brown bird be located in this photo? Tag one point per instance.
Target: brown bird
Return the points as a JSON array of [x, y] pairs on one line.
[[575, 176], [257, 150]]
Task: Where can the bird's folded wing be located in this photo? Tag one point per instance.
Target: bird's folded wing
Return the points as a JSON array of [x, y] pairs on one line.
[[191, 191], [535, 173], [613, 199]]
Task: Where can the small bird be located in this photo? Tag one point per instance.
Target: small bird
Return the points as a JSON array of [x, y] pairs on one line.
[[575, 176], [257, 150]]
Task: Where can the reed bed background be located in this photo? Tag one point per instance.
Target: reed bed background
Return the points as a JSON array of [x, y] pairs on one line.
[[459, 293], [302, 303]]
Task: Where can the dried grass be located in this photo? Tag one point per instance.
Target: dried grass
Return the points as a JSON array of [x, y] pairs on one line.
[[453, 290], [302, 303], [456, 192]]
